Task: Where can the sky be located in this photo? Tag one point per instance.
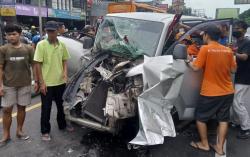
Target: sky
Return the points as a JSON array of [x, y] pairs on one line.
[[211, 5]]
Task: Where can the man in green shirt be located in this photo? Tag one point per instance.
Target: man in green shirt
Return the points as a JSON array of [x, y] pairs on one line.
[[16, 60], [51, 57]]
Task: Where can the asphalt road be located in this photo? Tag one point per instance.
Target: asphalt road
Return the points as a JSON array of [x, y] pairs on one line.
[[84, 143]]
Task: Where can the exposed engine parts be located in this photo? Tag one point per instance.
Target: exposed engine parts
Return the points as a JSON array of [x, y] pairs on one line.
[[106, 95]]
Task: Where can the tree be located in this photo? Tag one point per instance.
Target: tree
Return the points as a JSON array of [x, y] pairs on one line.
[[245, 16]]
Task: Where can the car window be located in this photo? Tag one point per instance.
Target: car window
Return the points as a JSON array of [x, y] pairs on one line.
[[194, 32]]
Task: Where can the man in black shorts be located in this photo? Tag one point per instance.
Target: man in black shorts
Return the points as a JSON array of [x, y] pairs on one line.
[[217, 92]]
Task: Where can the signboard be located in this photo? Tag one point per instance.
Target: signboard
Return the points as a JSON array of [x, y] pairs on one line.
[[64, 14], [241, 1], [8, 2], [8, 11], [77, 15], [222, 13], [29, 10], [162, 6]]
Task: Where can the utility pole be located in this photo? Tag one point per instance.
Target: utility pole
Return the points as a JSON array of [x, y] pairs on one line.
[[40, 18]]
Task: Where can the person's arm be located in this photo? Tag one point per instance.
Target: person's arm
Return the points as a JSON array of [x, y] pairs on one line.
[[2, 61], [38, 59], [1, 80], [33, 45], [39, 74], [233, 69], [35, 77], [34, 71], [200, 61], [65, 71], [241, 56], [192, 66], [66, 56], [245, 53], [186, 27], [38, 69], [233, 66]]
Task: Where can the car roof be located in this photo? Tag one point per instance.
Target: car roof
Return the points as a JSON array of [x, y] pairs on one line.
[[157, 17]]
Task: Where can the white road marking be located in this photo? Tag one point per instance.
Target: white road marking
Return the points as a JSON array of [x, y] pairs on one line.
[[27, 110]]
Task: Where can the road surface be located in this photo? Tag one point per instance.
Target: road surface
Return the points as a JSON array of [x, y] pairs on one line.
[[84, 143]]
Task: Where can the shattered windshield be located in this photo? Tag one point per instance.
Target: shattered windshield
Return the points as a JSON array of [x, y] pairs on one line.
[[128, 37]]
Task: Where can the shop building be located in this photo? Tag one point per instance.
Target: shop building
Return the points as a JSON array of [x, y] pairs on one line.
[[26, 12]]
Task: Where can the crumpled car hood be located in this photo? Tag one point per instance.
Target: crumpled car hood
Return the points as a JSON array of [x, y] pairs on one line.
[[162, 78]]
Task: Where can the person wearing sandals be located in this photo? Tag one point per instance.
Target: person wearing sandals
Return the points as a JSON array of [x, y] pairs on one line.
[[51, 58], [217, 92], [16, 60]]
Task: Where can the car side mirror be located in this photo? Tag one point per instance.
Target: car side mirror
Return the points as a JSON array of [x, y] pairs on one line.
[[180, 52]]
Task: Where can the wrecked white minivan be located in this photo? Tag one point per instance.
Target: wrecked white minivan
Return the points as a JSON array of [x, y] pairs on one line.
[[135, 70]]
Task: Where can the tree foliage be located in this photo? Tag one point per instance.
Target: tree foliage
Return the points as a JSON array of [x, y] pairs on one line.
[[245, 16]]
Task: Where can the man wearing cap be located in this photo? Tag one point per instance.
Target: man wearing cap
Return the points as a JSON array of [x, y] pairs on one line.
[[51, 57]]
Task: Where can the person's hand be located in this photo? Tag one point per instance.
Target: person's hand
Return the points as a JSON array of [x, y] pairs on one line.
[[36, 87], [1, 91], [43, 88], [65, 78], [233, 48], [190, 58]]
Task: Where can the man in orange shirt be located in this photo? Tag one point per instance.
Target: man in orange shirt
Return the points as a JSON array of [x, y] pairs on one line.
[[217, 92]]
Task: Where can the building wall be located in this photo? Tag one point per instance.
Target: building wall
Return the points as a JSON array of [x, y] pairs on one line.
[[55, 4], [57, 10]]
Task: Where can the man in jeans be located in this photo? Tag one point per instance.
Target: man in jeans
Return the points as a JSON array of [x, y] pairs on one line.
[[242, 79], [16, 60], [51, 56], [217, 92]]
